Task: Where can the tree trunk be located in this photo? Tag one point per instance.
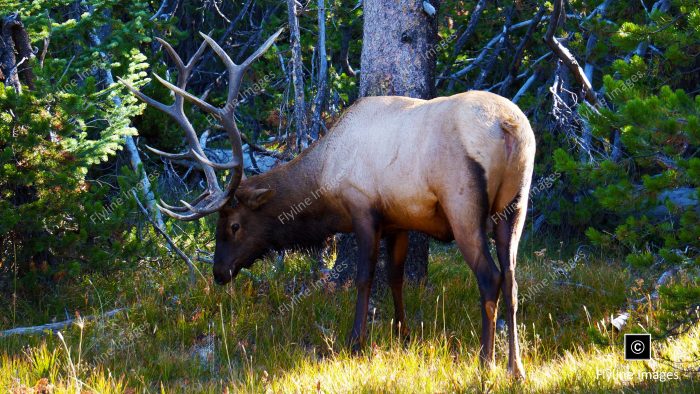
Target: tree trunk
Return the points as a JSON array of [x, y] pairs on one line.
[[297, 77], [396, 49], [398, 59], [96, 39], [322, 87], [14, 39]]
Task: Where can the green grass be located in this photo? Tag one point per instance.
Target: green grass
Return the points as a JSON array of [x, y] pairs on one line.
[[210, 338]]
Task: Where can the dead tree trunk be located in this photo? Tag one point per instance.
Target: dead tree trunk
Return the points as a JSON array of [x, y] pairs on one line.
[[297, 77], [96, 39], [398, 59], [464, 38], [15, 54], [398, 54], [320, 100]]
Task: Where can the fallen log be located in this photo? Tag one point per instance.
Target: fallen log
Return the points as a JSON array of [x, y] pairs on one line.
[[58, 325]]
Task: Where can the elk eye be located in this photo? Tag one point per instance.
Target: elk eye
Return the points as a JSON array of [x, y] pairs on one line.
[[235, 227]]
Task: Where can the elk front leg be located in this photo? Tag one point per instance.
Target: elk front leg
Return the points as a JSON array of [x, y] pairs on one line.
[[397, 245], [367, 234]]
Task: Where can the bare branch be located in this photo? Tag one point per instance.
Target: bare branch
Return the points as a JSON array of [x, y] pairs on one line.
[[525, 87], [518, 56], [320, 99], [471, 27], [297, 76], [190, 266], [565, 55], [494, 56], [475, 62]]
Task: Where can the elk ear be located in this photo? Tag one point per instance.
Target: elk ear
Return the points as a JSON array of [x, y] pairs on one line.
[[254, 198]]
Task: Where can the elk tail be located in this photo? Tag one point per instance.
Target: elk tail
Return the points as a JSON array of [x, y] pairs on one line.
[[510, 126]]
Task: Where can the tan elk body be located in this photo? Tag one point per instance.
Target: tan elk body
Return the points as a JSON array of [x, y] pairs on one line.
[[404, 156], [391, 164]]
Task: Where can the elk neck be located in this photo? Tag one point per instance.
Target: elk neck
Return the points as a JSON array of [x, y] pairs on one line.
[[301, 213]]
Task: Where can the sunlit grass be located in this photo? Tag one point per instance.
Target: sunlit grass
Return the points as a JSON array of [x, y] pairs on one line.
[[209, 338]]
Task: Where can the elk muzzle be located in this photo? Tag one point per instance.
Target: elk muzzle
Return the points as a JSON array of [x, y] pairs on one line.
[[224, 273]]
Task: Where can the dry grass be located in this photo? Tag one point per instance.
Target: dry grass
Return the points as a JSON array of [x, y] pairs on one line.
[[212, 339]]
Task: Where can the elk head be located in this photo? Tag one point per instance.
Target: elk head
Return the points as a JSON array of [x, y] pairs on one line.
[[238, 235]]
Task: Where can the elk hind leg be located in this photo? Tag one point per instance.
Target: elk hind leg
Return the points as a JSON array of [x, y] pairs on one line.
[[508, 230], [467, 219], [397, 246]]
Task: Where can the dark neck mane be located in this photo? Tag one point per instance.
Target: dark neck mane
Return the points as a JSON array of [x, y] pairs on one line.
[[298, 215]]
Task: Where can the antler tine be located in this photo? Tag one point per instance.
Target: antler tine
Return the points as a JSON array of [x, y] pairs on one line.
[[183, 75], [197, 213], [200, 51], [219, 51], [196, 201], [235, 72], [183, 68], [173, 55], [194, 99], [184, 218], [163, 204], [263, 48], [210, 204], [171, 156], [206, 210], [192, 208], [203, 159], [153, 103]]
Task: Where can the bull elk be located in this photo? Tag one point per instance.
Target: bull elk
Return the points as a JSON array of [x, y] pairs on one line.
[[389, 165]]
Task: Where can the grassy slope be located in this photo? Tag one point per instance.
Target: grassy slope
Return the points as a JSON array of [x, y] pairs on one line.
[[212, 338]]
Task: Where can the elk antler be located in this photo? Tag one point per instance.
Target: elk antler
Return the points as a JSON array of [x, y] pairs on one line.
[[213, 198]]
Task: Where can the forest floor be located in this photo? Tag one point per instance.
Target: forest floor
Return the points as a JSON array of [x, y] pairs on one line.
[[241, 337]]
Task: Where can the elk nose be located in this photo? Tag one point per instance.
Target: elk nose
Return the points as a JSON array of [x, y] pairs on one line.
[[221, 277]]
